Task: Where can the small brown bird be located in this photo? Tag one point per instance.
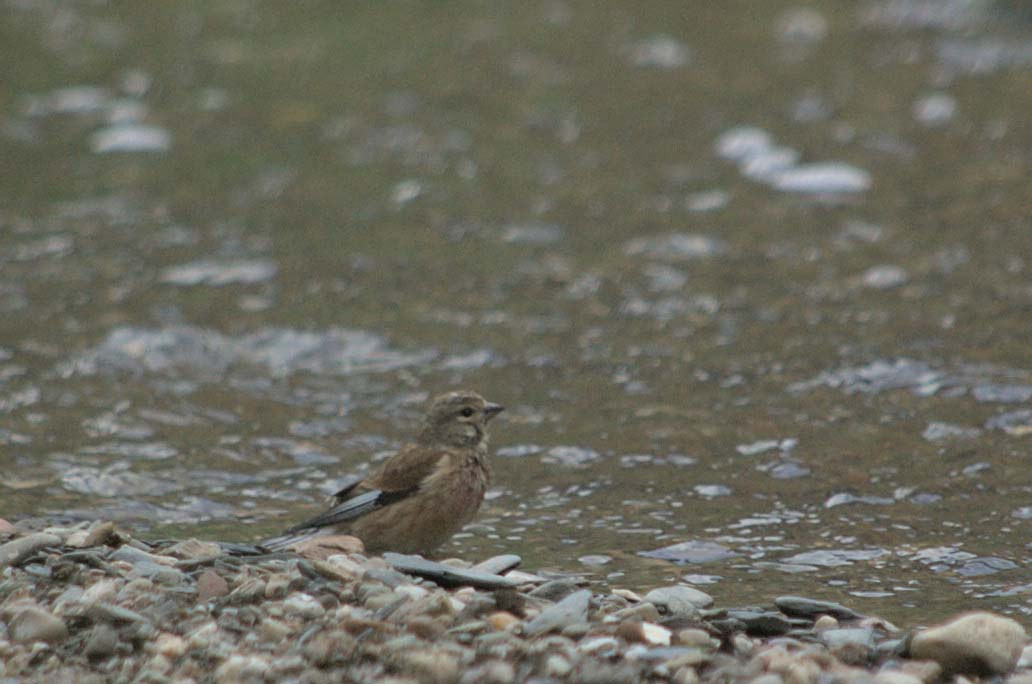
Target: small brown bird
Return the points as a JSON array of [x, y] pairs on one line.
[[422, 495]]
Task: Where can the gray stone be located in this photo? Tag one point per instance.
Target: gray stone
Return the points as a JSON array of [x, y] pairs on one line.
[[692, 551], [572, 610], [799, 606], [498, 564], [134, 556], [14, 552], [107, 612], [679, 601], [35, 624], [445, 575]]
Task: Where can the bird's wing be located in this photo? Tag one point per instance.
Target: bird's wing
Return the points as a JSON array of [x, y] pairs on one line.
[[347, 489], [406, 469], [349, 509], [398, 478]]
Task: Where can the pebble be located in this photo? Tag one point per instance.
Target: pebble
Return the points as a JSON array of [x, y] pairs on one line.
[[825, 622], [502, 620], [194, 548], [521, 578], [303, 606], [428, 666], [130, 137], [168, 645], [761, 623], [136, 556], [853, 646], [627, 594], [928, 671], [884, 277], [638, 611], [491, 672], [600, 645], [557, 666], [241, 668], [210, 586], [248, 591], [654, 634], [96, 535], [158, 573], [273, 630], [822, 178], [101, 642], [17, 550], [895, 677], [555, 590], [977, 643], [571, 610], [695, 638], [685, 675], [32, 623], [679, 601]]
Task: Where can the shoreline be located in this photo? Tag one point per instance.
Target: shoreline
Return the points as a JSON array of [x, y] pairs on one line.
[[89, 603]]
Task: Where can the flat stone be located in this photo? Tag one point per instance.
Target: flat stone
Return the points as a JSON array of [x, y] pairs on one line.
[[571, 610], [35, 624], [108, 612], [799, 606], [693, 551], [446, 576], [135, 556], [977, 643], [521, 577], [194, 548], [498, 564], [14, 552]]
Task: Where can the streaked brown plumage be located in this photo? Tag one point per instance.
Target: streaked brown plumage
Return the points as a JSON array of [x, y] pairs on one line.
[[423, 494]]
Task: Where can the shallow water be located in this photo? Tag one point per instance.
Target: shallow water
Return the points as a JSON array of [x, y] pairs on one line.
[[751, 277]]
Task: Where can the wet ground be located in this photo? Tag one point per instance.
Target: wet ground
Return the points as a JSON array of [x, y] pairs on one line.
[[752, 278]]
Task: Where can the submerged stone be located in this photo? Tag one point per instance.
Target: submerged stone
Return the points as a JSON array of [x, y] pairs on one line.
[[691, 552]]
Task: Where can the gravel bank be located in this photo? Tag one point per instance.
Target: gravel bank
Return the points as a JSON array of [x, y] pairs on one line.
[[91, 604]]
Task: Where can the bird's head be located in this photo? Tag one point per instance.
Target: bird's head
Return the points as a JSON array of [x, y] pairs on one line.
[[458, 419]]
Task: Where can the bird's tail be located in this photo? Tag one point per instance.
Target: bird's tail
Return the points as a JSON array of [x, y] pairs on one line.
[[285, 541]]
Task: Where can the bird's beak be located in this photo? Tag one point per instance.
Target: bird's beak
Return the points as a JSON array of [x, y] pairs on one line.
[[492, 410]]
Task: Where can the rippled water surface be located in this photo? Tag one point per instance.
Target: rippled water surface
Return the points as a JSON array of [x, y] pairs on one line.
[[753, 279]]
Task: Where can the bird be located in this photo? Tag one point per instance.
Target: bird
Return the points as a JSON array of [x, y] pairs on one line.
[[424, 493]]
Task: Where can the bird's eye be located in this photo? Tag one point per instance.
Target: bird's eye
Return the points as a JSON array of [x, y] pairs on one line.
[[467, 412]]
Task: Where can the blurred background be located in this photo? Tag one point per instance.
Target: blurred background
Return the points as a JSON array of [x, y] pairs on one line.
[[753, 279]]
